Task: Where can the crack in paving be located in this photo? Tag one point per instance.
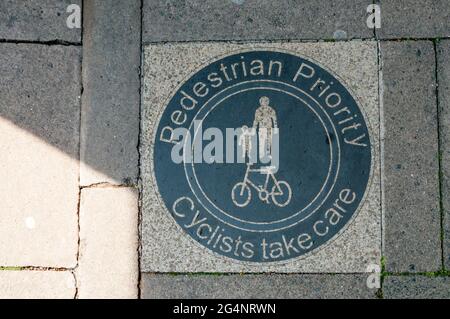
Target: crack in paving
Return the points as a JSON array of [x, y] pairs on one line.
[[440, 151], [34, 268], [78, 245], [254, 273], [379, 293], [109, 185], [79, 166], [257, 41], [48, 43], [381, 135], [250, 41], [139, 181]]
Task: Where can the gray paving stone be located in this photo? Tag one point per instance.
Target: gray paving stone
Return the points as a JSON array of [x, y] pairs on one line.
[[108, 259], [251, 19], [110, 109], [40, 89], [37, 285], [37, 20], [167, 249], [414, 19], [416, 287], [255, 286], [444, 122], [411, 215]]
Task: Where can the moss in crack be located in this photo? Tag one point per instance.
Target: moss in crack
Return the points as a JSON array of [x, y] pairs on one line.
[[173, 274], [383, 274], [429, 274], [379, 294], [441, 273], [383, 264], [193, 274], [208, 274], [11, 268]]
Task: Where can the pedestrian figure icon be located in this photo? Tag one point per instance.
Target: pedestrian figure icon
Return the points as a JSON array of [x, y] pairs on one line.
[[265, 126], [266, 123]]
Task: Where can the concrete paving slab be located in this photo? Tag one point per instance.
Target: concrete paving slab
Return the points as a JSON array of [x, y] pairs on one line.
[[37, 20], [254, 20], [39, 124], [410, 172], [26, 284], [108, 262], [256, 287], [111, 97], [443, 50], [416, 287], [165, 248], [414, 19]]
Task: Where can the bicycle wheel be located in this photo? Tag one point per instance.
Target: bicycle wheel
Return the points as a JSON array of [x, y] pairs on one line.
[[281, 193], [241, 194]]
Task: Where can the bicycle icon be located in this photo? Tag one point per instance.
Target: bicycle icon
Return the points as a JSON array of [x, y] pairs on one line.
[[280, 193]]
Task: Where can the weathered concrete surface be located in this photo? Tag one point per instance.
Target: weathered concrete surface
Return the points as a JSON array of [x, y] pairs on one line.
[[410, 172], [167, 249], [37, 20], [416, 287], [26, 284], [414, 19], [254, 20], [111, 98], [444, 128], [39, 126], [108, 261], [255, 287]]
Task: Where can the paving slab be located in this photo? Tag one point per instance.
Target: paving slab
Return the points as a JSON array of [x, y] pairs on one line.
[[37, 20], [167, 248], [111, 98], [416, 287], [39, 124], [254, 20], [108, 261], [414, 19], [26, 284], [410, 170], [444, 124], [255, 287]]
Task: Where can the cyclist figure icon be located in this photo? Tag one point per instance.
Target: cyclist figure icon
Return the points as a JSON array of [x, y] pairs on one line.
[[266, 127]]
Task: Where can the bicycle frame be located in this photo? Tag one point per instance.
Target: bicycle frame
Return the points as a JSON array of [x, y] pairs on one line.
[[248, 181]]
